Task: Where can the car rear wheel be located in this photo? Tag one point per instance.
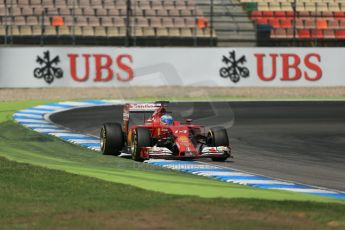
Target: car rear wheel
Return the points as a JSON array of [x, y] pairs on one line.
[[218, 137], [141, 137], [112, 139]]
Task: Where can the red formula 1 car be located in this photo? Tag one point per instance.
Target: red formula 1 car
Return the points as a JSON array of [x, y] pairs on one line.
[[156, 139]]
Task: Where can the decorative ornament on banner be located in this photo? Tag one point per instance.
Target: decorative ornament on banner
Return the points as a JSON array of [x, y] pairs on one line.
[[234, 67], [48, 69]]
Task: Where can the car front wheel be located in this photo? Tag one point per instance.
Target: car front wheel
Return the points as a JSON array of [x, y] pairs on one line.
[[141, 137], [218, 136]]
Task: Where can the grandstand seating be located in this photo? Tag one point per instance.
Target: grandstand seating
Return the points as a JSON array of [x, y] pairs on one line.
[[314, 19], [101, 18]]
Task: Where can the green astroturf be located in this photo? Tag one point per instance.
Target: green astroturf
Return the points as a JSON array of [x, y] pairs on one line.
[[58, 185], [23, 145]]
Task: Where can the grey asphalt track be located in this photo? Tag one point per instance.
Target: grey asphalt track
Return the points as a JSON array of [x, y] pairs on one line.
[[296, 141]]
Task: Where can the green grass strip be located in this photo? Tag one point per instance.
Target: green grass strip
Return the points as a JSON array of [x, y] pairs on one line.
[[38, 198], [33, 197], [8, 108], [23, 145], [237, 98]]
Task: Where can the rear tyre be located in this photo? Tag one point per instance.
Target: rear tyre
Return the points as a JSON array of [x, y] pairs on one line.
[[112, 139], [141, 137], [218, 137]]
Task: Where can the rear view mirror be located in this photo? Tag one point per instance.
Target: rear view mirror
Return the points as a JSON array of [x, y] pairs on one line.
[[188, 121]]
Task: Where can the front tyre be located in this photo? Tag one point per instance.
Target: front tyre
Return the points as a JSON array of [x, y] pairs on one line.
[[112, 139], [218, 136], [141, 137]]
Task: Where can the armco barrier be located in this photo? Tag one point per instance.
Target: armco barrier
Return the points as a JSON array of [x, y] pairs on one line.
[[119, 67], [37, 119]]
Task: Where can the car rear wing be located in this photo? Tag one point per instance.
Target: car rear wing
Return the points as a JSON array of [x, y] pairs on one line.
[[139, 108], [142, 108]]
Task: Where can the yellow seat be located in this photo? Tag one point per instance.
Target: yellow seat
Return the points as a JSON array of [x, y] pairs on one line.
[[76, 31], [25, 31], [63, 31], [50, 31], [88, 31], [149, 32], [112, 32], [100, 31], [186, 32], [137, 32], [2, 31], [162, 32], [14, 31], [174, 32]]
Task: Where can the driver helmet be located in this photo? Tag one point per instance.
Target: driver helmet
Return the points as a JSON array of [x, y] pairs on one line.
[[167, 119]]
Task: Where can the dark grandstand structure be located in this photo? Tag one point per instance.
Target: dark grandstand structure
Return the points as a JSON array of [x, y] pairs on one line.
[[173, 22]]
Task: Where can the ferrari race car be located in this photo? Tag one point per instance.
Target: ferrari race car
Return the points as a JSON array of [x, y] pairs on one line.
[[160, 137]]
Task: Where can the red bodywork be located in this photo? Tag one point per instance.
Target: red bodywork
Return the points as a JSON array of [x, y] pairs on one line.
[[181, 134]]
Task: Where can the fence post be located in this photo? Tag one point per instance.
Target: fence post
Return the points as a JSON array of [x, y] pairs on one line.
[[211, 23], [294, 5], [128, 23], [11, 23], [73, 28], [42, 28]]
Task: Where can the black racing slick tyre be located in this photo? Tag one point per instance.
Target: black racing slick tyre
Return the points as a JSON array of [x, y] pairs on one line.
[[112, 139], [218, 137], [141, 137]]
